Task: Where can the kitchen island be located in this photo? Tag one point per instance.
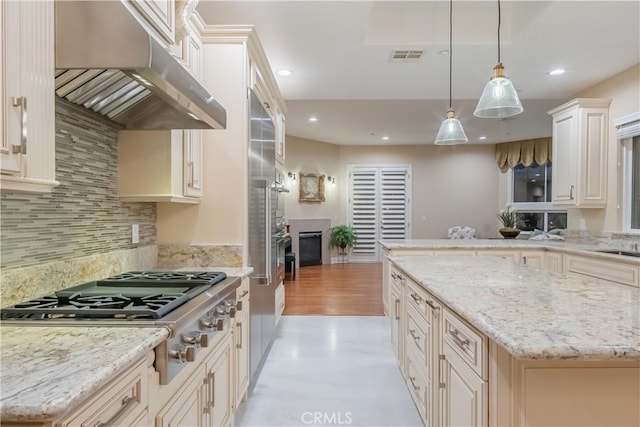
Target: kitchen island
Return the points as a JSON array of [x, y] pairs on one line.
[[482, 340]]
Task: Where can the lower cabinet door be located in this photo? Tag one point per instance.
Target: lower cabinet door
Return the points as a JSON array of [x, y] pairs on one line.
[[241, 351], [395, 314], [218, 384], [464, 393], [187, 408]]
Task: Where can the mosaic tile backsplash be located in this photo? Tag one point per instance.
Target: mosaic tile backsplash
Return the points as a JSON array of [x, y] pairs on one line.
[[83, 215]]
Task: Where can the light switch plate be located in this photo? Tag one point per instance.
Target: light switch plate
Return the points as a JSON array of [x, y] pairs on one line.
[[135, 233]]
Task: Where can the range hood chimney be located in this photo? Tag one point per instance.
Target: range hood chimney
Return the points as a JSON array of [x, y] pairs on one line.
[[107, 62]]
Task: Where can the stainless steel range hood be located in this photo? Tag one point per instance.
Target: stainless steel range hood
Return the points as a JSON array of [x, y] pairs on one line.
[[107, 62]]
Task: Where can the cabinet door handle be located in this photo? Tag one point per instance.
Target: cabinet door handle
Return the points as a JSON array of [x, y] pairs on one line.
[[21, 101], [441, 359], [239, 325], [571, 192], [127, 402], [212, 387], [191, 181], [416, 297], [413, 383], [461, 342], [524, 260], [432, 305], [397, 309], [412, 332]]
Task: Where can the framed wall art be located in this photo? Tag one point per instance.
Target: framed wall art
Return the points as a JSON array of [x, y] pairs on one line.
[[311, 187]]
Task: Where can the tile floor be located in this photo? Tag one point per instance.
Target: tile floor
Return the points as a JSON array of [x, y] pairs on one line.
[[330, 370]]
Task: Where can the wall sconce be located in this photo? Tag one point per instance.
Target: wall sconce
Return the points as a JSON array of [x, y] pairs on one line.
[[332, 180], [292, 176]]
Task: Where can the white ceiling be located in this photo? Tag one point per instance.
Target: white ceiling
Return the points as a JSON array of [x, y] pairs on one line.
[[339, 52]]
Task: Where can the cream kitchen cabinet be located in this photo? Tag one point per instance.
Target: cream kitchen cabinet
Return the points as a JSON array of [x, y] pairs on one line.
[[579, 134], [603, 270], [241, 352], [205, 397], [159, 166], [121, 402], [397, 309], [553, 262], [464, 394], [157, 16], [27, 125], [532, 257]]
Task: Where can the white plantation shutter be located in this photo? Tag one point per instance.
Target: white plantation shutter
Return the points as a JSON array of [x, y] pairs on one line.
[[393, 204], [378, 207], [364, 212]]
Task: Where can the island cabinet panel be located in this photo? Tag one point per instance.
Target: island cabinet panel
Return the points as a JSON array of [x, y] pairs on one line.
[[608, 271], [582, 394]]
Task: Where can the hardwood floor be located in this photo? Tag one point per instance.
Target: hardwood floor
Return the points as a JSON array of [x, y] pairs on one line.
[[353, 289]]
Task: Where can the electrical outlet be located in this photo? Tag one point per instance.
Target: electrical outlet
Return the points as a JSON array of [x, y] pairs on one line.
[[135, 233]]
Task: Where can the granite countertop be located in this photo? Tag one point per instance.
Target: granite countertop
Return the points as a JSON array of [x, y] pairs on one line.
[[47, 371], [532, 313], [561, 246]]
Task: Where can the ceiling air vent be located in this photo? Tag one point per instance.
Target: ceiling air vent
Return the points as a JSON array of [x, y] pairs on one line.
[[406, 55]]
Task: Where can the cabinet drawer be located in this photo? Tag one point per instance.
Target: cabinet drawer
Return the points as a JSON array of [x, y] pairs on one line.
[[243, 289], [619, 272], [418, 384], [420, 300], [417, 335], [469, 344], [121, 402]]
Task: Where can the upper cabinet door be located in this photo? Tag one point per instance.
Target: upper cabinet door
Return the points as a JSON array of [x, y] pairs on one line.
[[160, 15], [27, 73], [580, 135]]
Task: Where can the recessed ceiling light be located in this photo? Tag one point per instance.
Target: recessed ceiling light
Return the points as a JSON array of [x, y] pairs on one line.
[[533, 180], [537, 174], [386, 138], [444, 52], [482, 138], [284, 72], [557, 72], [313, 119]]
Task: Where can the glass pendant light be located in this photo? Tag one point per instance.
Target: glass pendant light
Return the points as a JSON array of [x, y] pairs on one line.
[[499, 98], [451, 131]]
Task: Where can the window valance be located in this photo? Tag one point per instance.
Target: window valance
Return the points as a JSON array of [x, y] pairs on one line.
[[511, 154]]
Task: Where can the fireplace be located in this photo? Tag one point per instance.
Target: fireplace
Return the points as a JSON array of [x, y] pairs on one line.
[[310, 248]]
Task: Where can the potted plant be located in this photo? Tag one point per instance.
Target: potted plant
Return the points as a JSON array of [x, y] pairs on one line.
[[342, 237], [509, 220]]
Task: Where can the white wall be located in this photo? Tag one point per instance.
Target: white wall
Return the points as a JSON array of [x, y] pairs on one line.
[[452, 185]]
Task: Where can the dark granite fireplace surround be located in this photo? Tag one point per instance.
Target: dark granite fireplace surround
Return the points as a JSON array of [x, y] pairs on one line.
[[310, 248], [322, 225]]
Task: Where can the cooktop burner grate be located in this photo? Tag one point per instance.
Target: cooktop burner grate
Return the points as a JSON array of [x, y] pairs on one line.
[[165, 277], [132, 295]]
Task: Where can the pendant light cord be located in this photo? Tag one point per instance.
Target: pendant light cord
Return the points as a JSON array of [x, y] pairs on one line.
[[450, 47], [499, 20]]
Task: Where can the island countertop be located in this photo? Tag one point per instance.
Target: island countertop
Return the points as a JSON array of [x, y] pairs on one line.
[[588, 249], [532, 313], [47, 371]]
